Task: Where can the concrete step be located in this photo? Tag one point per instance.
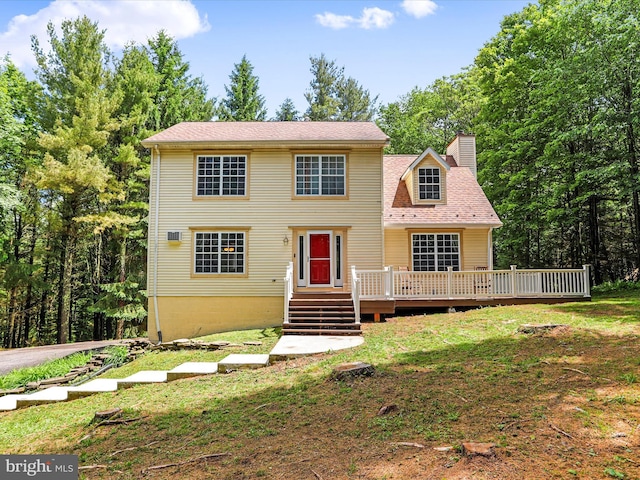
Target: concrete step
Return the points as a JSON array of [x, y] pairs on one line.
[[10, 402], [99, 385], [192, 369], [48, 395], [143, 377], [238, 361]]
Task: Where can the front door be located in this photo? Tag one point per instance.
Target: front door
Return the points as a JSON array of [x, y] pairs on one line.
[[320, 259]]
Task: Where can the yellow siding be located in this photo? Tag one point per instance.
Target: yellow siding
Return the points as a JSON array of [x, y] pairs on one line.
[[409, 181], [396, 248], [269, 214], [474, 246], [188, 317], [428, 162]]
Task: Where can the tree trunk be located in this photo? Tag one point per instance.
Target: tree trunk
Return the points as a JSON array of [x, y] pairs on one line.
[[123, 277], [64, 290]]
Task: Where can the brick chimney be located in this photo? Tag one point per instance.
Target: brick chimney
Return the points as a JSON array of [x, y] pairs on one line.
[[463, 150]]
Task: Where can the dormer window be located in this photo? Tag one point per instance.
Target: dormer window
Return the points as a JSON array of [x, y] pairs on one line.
[[429, 183]]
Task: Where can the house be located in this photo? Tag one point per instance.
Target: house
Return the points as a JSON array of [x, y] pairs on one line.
[[235, 205]]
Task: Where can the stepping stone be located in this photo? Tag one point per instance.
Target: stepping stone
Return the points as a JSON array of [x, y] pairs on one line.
[[99, 385], [142, 377], [49, 395], [237, 361], [192, 369]]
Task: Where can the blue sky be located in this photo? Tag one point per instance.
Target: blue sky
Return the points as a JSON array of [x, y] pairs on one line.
[[388, 46]]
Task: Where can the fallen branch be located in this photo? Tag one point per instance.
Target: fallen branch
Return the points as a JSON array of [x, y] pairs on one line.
[[120, 421], [576, 370], [317, 475], [409, 444], [560, 431], [132, 448], [459, 396], [191, 460], [91, 467]]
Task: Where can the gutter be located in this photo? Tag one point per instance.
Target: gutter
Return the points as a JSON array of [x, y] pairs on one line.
[[156, 241]]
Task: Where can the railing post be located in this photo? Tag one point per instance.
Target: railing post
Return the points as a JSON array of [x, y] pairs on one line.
[[587, 280], [514, 283], [288, 291], [449, 282], [355, 293], [388, 282]]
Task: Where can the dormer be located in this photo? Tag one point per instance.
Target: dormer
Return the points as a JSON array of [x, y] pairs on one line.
[[426, 179]]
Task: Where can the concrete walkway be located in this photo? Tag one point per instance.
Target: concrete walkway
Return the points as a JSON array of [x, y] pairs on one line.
[[287, 347]]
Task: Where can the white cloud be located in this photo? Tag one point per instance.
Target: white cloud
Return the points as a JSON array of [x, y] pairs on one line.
[[419, 8], [123, 20], [334, 21], [371, 18], [376, 18]]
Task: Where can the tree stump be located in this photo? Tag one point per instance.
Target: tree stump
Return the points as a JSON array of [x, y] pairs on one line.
[[348, 371], [539, 328]]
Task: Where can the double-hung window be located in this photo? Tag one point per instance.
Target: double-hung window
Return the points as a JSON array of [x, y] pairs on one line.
[[219, 252], [320, 175], [429, 183], [435, 251], [221, 175]]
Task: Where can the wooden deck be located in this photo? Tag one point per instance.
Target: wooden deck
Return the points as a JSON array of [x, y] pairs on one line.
[[388, 291]]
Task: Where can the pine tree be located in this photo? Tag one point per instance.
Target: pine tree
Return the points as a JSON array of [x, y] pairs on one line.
[[243, 102]]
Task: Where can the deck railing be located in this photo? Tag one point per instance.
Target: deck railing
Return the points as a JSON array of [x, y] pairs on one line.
[[513, 283], [288, 290], [355, 293]]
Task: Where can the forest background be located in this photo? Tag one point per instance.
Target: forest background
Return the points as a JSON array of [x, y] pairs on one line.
[[553, 98]]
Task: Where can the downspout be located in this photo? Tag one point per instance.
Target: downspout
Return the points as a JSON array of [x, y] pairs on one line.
[[156, 241]]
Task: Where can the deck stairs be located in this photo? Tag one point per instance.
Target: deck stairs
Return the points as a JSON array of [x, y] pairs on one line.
[[321, 313]]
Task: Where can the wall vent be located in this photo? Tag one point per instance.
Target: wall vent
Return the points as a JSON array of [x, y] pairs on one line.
[[174, 236]]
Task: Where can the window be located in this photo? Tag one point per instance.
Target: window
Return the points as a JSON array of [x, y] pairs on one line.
[[221, 175], [320, 175], [219, 252], [429, 183], [435, 252]]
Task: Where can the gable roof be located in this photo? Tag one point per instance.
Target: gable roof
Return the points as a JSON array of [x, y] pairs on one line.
[[269, 132], [467, 205], [416, 162]]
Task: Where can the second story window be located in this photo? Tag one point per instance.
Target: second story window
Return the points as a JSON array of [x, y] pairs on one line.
[[429, 183], [320, 175], [221, 175]]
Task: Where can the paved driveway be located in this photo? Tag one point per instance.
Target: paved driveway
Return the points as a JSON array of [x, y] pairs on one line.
[[30, 356]]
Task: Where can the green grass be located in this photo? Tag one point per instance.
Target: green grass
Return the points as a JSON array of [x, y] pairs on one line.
[[54, 368], [454, 377]]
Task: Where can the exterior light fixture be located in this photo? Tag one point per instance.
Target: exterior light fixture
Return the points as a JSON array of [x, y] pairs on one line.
[[285, 240]]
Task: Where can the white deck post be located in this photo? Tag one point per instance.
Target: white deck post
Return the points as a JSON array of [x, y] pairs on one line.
[[587, 280], [449, 282], [388, 282], [514, 283]]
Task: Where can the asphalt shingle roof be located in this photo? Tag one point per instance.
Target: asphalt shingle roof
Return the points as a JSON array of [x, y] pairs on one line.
[[466, 202], [195, 132]]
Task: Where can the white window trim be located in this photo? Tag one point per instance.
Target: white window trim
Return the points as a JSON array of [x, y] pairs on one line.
[[320, 158], [439, 184], [220, 252], [436, 253], [221, 176]]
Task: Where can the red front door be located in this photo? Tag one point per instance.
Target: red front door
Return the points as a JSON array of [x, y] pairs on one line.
[[320, 258]]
